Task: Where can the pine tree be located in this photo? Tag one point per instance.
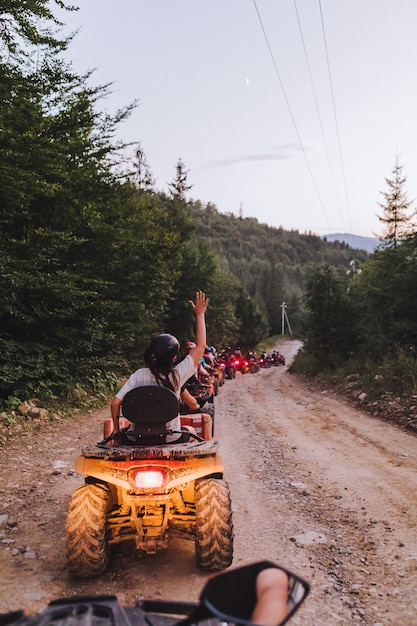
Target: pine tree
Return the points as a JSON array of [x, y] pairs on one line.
[[179, 187], [330, 325], [395, 217], [23, 24], [145, 179]]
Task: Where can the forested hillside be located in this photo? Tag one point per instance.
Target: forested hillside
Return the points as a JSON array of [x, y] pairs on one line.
[[268, 262]]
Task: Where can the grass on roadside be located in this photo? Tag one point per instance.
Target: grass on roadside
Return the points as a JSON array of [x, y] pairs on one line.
[[268, 344], [394, 374]]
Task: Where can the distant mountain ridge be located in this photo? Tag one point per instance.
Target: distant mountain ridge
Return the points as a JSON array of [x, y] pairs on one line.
[[357, 242]]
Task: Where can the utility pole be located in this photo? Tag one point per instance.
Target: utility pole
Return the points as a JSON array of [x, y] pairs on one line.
[[284, 318], [352, 271]]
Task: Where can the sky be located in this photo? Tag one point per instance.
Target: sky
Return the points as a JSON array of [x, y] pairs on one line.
[[289, 111]]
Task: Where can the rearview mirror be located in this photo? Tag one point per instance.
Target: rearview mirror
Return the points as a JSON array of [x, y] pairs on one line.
[[262, 593]]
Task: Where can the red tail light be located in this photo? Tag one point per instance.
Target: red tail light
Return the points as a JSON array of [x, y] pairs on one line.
[[148, 479]]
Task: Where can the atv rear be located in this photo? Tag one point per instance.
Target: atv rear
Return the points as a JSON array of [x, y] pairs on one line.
[[149, 492]]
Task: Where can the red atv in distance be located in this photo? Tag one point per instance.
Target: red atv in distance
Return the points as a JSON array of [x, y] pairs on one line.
[[265, 360], [241, 364], [253, 363], [277, 358], [228, 364]]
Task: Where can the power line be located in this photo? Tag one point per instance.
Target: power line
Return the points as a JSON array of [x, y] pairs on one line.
[[335, 116], [291, 113], [318, 110]]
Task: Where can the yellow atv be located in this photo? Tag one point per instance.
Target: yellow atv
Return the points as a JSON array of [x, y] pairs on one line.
[[146, 491]]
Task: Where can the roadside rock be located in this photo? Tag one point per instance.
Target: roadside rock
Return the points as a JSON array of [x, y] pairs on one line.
[[309, 538]]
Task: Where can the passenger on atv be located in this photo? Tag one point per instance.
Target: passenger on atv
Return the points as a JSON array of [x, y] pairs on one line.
[[277, 358], [195, 396], [160, 357]]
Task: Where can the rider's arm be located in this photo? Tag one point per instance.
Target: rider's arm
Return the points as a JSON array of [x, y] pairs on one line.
[[199, 308], [115, 412], [189, 400]]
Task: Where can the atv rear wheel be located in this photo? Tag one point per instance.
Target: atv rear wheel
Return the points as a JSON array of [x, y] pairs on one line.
[[230, 372], [214, 527], [87, 551]]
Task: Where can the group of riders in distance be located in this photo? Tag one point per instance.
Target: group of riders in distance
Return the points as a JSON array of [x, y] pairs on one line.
[[228, 362], [215, 366]]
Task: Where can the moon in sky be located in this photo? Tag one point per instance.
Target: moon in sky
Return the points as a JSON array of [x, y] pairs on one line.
[[247, 81]]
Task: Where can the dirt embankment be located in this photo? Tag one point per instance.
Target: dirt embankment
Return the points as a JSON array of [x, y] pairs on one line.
[[318, 486]]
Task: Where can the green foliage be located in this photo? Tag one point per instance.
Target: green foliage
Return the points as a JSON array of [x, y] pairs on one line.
[[253, 323], [397, 373], [11, 403], [179, 186], [53, 182], [197, 268], [393, 374], [392, 377], [87, 262], [307, 364], [8, 418], [395, 207], [29, 22], [92, 264], [387, 293], [331, 333], [222, 320], [268, 262], [267, 344], [365, 332]]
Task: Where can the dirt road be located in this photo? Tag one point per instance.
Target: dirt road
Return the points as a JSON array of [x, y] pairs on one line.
[[317, 486]]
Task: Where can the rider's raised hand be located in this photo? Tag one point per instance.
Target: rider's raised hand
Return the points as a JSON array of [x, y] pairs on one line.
[[201, 303], [199, 307]]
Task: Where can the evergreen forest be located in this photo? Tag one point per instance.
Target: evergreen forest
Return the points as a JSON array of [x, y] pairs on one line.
[[94, 260], [365, 327]]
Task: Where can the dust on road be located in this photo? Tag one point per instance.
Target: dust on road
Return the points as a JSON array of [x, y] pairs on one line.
[[317, 486]]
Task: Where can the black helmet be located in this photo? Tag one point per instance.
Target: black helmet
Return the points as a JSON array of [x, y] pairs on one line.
[[161, 350]]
